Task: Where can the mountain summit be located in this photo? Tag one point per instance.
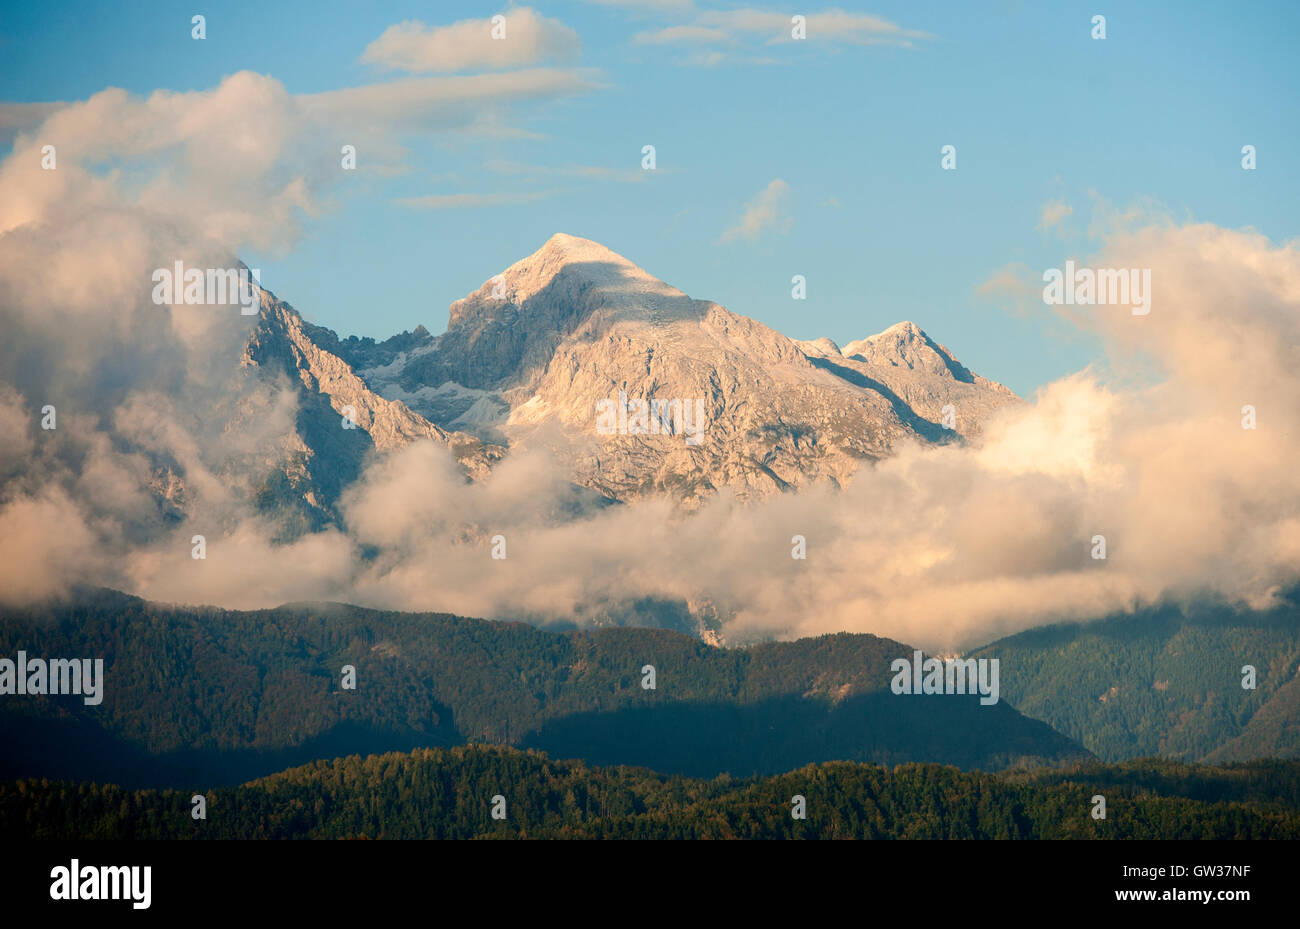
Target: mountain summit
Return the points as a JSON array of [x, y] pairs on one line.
[[566, 264], [576, 325], [905, 345], [538, 350]]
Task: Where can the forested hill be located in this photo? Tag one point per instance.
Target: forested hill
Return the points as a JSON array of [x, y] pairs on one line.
[[1164, 681], [452, 793], [205, 696]]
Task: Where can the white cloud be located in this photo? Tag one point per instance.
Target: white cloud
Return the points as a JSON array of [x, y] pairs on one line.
[[243, 163], [768, 210], [705, 59], [469, 45], [23, 117], [145, 392], [681, 34], [452, 201], [1054, 214], [594, 172], [833, 25]]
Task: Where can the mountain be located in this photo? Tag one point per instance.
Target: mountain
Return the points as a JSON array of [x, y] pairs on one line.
[[449, 794], [322, 456], [532, 358], [1165, 680], [532, 352], [196, 694], [924, 375], [1273, 731]]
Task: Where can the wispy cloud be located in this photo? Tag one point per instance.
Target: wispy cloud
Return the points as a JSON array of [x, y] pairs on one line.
[[650, 5], [833, 25], [768, 210], [469, 45], [681, 34], [455, 201], [732, 26], [1054, 214], [594, 172]]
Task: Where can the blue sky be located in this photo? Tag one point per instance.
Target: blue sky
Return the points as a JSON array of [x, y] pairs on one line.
[[1038, 110]]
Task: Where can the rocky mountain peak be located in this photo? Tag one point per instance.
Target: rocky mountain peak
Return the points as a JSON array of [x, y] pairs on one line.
[[339, 417], [906, 345], [540, 348], [578, 273], [511, 326]]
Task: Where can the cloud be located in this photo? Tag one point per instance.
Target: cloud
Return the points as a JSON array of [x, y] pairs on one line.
[[452, 201], [468, 45], [710, 59], [1054, 214], [769, 210], [654, 5], [23, 117], [245, 162], [832, 25], [594, 172], [161, 432], [733, 28], [1017, 287], [45, 545], [673, 34]]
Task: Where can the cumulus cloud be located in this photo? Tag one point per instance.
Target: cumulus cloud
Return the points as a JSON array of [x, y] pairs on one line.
[[241, 164], [469, 45], [769, 210], [23, 117], [161, 433]]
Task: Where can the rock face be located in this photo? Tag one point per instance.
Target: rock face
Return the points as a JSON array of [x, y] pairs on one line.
[[637, 387], [536, 351], [904, 363], [322, 456]]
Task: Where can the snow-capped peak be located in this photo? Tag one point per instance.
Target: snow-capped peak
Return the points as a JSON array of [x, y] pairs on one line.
[[585, 264]]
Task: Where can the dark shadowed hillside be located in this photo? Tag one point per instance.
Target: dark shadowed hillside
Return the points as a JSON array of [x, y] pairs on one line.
[[1163, 681], [198, 695]]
